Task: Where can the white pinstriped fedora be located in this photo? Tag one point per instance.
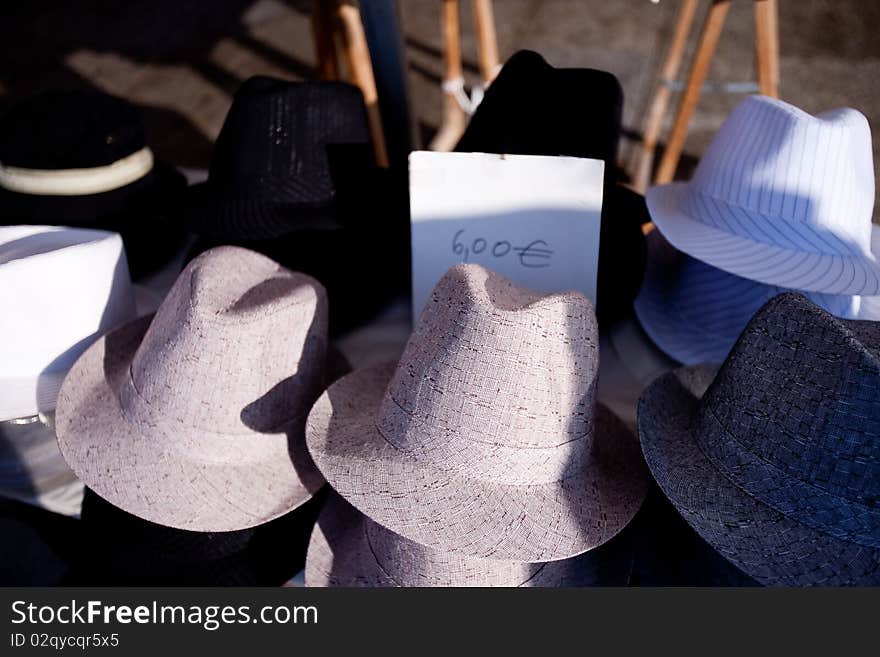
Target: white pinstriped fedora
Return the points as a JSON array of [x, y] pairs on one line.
[[694, 312], [780, 197]]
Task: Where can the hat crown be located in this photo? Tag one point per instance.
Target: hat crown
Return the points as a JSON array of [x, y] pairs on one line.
[[775, 174], [237, 346], [278, 132], [494, 366], [70, 130], [825, 430]]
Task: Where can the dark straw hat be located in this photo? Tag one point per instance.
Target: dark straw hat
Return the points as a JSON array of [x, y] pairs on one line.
[[120, 549], [777, 463], [80, 158], [293, 176], [348, 549], [533, 108]]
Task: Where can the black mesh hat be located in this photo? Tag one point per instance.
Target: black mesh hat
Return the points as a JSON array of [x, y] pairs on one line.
[[293, 176], [532, 108], [80, 158], [120, 549], [776, 460]]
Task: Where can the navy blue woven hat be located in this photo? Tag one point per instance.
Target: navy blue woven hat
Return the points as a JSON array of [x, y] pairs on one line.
[[120, 549], [80, 158], [293, 176], [775, 461], [533, 108]]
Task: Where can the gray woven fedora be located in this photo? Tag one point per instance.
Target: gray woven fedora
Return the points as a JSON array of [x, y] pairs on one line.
[[775, 461], [194, 419], [485, 439], [348, 549]]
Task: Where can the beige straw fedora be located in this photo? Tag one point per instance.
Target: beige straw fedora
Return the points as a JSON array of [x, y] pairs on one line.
[[486, 438], [194, 418]]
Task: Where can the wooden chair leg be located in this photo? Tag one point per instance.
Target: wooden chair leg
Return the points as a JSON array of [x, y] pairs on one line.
[[454, 119], [767, 46], [322, 32], [660, 101], [699, 70], [360, 68], [487, 39]]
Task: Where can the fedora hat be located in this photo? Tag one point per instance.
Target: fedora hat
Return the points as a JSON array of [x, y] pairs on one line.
[[60, 288], [774, 460], [293, 176], [780, 197], [80, 158], [119, 549], [348, 549], [532, 108], [485, 439], [194, 418], [694, 312]]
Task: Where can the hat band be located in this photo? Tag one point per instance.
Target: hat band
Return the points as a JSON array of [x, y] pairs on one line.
[[794, 498], [78, 182], [240, 446], [800, 233], [475, 572], [450, 451]]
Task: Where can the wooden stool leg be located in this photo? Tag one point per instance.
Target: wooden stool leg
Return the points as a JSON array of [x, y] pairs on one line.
[[453, 123], [767, 46], [487, 40], [660, 102], [699, 70], [322, 32], [360, 68]]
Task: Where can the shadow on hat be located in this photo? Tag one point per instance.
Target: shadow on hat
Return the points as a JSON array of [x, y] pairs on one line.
[[194, 418], [774, 459], [485, 439], [80, 158], [293, 176], [532, 108]]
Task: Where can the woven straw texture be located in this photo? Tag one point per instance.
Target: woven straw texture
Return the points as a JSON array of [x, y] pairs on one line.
[[273, 167], [777, 465], [194, 419], [485, 439], [348, 549]]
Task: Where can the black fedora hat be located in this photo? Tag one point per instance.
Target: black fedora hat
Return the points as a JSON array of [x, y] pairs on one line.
[[120, 549], [533, 108], [80, 158], [293, 176], [775, 461]]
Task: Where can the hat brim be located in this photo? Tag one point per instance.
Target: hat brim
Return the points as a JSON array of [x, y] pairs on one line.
[[447, 511], [340, 555], [119, 461], [765, 263], [765, 544], [206, 212], [696, 316]]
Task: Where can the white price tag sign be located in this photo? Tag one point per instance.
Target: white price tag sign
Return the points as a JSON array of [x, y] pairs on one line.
[[534, 219]]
